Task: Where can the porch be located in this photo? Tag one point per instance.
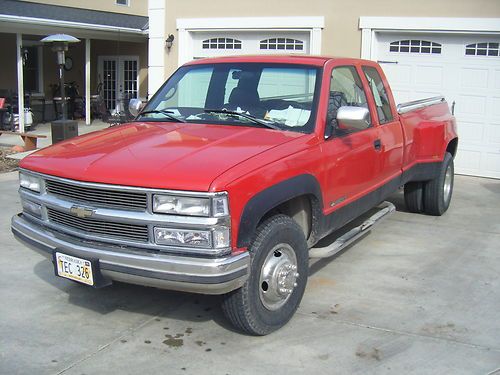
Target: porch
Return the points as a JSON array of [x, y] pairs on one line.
[[109, 63]]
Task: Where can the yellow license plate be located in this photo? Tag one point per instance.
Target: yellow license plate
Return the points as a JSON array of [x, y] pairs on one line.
[[74, 268]]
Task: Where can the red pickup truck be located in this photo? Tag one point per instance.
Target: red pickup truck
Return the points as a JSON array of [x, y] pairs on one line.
[[230, 176]]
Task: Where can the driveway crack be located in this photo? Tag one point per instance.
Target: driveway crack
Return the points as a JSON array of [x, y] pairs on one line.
[[406, 333]]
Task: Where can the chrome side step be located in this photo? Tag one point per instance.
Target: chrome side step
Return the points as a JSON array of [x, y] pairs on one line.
[[383, 211]]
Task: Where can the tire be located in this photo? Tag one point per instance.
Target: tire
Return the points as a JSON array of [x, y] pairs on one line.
[[261, 306], [414, 196], [438, 192]]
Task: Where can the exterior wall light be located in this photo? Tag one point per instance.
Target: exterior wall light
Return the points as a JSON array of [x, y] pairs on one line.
[[169, 41]]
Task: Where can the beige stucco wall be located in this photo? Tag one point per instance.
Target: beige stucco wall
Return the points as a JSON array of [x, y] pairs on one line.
[[341, 36], [136, 7]]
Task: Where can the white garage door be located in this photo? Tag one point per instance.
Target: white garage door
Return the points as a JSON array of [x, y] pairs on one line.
[[224, 43], [466, 70]]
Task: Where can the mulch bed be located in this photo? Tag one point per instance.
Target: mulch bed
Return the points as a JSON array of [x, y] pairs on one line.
[[6, 164]]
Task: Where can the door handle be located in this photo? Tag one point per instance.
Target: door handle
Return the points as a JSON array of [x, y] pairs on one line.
[[377, 144]]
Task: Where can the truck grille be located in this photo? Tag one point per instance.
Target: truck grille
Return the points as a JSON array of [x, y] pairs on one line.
[[102, 197], [132, 232]]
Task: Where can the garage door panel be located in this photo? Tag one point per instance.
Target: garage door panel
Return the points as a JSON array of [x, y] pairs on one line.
[[225, 43], [471, 131], [474, 78], [470, 79], [429, 76], [493, 133], [496, 80], [471, 105], [400, 73], [492, 163], [467, 160], [401, 96], [494, 110]]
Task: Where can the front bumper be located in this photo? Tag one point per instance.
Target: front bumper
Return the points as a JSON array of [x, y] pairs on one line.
[[140, 266]]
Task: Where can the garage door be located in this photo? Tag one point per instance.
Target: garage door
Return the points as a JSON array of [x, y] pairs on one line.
[[220, 43], [466, 70]]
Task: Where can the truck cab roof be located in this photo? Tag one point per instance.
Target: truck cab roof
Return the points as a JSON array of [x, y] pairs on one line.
[[277, 59]]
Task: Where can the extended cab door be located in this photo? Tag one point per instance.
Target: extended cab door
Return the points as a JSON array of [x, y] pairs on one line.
[[351, 158], [388, 127]]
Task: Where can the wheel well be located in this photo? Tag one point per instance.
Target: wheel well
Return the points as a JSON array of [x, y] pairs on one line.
[[299, 209], [452, 147]]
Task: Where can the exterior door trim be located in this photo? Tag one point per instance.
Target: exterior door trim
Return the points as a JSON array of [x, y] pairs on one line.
[[188, 26], [371, 26]]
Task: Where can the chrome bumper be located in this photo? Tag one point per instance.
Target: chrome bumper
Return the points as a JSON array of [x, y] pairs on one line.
[[140, 266]]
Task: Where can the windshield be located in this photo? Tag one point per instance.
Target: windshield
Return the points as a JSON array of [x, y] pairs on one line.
[[277, 96]]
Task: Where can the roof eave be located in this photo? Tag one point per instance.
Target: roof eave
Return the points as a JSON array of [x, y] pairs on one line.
[[72, 24]]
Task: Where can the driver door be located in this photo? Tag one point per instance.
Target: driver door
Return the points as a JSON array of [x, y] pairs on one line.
[[350, 157]]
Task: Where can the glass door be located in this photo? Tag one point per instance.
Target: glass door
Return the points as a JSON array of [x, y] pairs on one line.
[[119, 80]]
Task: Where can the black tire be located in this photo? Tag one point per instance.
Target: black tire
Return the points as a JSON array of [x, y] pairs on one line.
[[438, 192], [245, 307], [414, 196]]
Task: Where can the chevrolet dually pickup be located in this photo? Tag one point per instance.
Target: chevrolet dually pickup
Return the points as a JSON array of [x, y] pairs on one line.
[[229, 177]]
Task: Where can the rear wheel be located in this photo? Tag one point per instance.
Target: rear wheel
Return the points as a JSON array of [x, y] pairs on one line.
[[414, 196], [277, 280], [438, 192]]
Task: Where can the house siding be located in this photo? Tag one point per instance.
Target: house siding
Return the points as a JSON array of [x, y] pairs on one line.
[[341, 35]]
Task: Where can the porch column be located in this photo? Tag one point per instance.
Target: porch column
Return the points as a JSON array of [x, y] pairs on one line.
[[156, 45], [20, 81], [87, 82]]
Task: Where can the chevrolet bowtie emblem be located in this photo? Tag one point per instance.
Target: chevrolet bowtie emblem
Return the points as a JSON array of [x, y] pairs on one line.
[[81, 211]]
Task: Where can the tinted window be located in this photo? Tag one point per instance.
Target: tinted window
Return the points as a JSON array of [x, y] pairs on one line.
[[379, 94]]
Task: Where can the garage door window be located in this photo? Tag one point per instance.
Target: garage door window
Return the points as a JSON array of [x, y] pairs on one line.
[[221, 43], [482, 49], [282, 43], [415, 46]]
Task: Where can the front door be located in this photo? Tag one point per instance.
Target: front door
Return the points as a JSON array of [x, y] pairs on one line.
[[351, 160], [119, 76]]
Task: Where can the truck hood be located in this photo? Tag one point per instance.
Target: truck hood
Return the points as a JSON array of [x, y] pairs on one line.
[[157, 155]]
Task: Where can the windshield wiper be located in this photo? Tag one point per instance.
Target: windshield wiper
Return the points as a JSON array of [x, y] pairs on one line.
[[164, 112], [254, 119]]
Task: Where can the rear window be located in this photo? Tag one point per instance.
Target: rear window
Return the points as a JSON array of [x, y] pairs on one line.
[[379, 94]]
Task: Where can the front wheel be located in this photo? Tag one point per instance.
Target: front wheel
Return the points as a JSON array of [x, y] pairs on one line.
[[437, 192], [277, 280]]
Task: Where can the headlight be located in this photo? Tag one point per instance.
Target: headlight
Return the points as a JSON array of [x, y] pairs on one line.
[[170, 204], [216, 206], [29, 182]]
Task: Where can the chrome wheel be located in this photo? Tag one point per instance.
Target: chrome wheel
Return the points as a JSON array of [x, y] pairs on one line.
[[278, 276], [448, 180]]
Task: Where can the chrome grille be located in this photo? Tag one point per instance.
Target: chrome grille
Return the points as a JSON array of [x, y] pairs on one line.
[[132, 232], [120, 199]]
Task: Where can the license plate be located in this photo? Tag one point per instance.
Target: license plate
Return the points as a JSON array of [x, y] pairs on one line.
[[74, 268]]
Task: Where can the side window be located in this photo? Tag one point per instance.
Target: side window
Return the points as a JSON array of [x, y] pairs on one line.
[[379, 94], [346, 89]]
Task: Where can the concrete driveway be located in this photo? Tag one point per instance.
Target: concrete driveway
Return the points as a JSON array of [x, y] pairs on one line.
[[420, 295]]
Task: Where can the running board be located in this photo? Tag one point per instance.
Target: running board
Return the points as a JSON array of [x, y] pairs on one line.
[[383, 211]]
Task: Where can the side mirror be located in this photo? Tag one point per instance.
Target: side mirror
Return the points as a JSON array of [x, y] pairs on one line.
[[353, 118], [135, 106]]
